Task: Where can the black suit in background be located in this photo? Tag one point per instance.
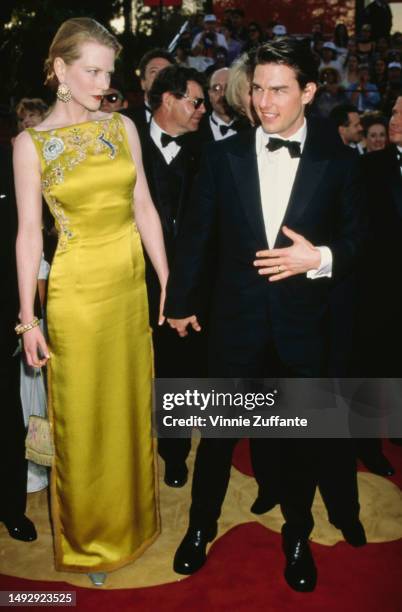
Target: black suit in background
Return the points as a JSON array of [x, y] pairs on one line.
[[380, 304], [139, 116], [259, 328], [379, 329], [13, 466], [170, 186]]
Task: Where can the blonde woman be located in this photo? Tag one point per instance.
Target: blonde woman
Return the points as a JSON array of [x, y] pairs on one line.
[[238, 91], [88, 166]]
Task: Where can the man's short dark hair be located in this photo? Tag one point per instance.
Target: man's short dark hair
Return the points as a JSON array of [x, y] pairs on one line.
[[289, 52], [340, 114], [152, 54], [173, 79], [238, 12]]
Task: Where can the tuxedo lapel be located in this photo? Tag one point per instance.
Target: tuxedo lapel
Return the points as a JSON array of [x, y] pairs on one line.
[[312, 165], [184, 163], [243, 163]]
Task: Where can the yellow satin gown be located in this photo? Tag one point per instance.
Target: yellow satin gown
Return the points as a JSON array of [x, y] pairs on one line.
[[103, 485]]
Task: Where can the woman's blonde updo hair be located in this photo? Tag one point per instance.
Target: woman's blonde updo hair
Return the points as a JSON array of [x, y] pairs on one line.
[[68, 40], [239, 79]]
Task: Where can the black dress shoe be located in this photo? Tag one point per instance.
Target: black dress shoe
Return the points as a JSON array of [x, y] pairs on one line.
[[21, 528], [378, 464], [300, 571], [175, 474], [354, 534], [263, 503], [191, 554]]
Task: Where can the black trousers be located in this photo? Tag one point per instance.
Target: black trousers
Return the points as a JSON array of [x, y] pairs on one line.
[[177, 357], [13, 466], [292, 468]]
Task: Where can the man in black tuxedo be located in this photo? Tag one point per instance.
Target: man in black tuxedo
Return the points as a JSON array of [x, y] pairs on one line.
[[13, 466], [170, 152], [384, 187], [149, 67], [283, 203], [379, 337]]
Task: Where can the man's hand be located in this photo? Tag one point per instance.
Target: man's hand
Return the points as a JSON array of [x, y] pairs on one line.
[[180, 325], [299, 258]]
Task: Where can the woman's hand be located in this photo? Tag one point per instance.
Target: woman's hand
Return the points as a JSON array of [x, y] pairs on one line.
[[35, 347]]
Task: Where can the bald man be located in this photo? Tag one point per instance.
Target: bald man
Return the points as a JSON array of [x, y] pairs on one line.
[[220, 123]]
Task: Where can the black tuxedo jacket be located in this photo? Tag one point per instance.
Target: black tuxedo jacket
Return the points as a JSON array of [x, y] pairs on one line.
[[139, 117], [170, 186], [171, 207], [185, 166], [204, 131], [380, 305], [324, 207]]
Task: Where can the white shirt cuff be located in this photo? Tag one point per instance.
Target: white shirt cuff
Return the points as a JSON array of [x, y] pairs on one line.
[[325, 268]]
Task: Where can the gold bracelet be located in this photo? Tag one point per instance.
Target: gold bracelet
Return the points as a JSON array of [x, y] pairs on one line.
[[21, 328]]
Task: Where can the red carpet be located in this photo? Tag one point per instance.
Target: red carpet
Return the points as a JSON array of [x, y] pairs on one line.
[[244, 572]]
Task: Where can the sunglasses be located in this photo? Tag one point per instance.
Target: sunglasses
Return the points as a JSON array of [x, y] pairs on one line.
[[196, 102], [112, 97]]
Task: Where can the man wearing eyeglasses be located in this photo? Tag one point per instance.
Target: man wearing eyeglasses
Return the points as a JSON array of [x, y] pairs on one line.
[[220, 123], [113, 101], [170, 156]]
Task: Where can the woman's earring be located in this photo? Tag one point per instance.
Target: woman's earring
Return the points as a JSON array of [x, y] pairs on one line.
[[64, 92]]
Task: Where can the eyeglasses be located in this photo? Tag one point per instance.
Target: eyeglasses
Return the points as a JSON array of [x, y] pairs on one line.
[[196, 102], [112, 97], [217, 88]]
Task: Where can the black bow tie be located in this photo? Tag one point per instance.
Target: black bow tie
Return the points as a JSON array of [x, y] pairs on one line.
[[167, 139], [292, 146], [224, 129]]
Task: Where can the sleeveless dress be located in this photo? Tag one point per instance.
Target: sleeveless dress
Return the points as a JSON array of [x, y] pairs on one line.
[[103, 483]]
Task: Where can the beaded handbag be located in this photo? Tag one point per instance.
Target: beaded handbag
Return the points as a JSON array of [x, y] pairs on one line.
[[39, 446]]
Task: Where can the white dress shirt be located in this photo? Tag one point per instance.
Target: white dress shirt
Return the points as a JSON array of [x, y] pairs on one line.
[[171, 150], [400, 157], [277, 172], [215, 122]]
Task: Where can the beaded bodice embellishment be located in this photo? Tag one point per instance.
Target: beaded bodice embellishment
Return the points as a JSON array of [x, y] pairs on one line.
[[63, 149]]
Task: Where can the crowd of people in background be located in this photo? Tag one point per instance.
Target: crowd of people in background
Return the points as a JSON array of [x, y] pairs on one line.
[[363, 69]]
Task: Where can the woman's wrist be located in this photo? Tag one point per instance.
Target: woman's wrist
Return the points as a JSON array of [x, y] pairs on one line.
[[22, 328], [26, 316]]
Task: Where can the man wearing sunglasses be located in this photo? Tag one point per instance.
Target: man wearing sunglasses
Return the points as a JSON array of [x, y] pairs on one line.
[[113, 101], [170, 157]]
